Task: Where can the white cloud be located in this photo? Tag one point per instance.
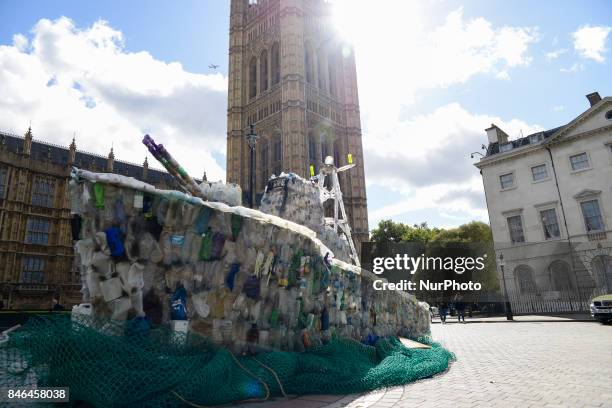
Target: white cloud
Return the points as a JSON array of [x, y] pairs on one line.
[[558, 108], [590, 41], [403, 52], [400, 55], [555, 54], [576, 67], [427, 160], [67, 79]]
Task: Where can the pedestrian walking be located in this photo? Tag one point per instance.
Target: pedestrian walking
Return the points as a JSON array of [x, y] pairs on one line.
[[460, 308], [443, 310]]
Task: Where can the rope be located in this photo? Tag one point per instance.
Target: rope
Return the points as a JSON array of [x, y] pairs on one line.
[[193, 404], [280, 384]]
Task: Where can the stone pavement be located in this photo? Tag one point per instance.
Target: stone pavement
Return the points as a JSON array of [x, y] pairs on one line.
[[514, 364]]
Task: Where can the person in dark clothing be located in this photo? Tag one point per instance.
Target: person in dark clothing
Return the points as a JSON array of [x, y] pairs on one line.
[[443, 310], [460, 308]]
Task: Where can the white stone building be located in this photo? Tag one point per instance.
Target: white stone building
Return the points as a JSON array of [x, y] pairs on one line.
[[549, 197]]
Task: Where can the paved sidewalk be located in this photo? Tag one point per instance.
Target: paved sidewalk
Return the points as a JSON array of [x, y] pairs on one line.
[[531, 364]]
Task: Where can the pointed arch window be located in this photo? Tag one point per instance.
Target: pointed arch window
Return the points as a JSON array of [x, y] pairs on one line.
[[265, 163], [275, 54], [277, 154], [312, 152], [308, 63], [321, 71], [332, 74], [253, 78], [263, 70]]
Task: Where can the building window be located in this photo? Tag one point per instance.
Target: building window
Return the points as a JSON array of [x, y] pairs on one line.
[[332, 74], [43, 191], [37, 231], [579, 161], [324, 151], [308, 63], [264, 163], [3, 181], [592, 216], [321, 70], [263, 70], [312, 152], [539, 172], [609, 115], [277, 155], [515, 225], [506, 180], [560, 276], [33, 270], [253, 78], [524, 279], [275, 54], [601, 266], [550, 223]]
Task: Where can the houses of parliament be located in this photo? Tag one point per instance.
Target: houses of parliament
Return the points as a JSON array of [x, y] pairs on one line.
[[289, 76]]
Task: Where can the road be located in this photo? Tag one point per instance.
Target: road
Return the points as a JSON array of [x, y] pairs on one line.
[[501, 364]]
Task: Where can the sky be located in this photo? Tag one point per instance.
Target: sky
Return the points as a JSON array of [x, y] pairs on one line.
[[432, 75]]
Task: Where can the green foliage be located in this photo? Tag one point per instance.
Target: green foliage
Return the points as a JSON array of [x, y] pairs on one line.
[[475, 233], [389, 231]]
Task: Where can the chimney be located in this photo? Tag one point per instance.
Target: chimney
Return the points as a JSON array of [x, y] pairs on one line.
[[593, 98], [496, 135]]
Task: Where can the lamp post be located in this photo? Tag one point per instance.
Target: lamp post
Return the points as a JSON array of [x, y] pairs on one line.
[[508, 308], [252, 138]]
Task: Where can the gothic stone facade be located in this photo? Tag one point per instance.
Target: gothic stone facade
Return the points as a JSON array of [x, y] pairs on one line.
[[36, 252], [292, 78]]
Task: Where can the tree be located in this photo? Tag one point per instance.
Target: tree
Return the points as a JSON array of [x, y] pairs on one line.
[[388, 231]]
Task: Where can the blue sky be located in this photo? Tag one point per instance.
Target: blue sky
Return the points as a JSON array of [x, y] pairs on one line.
[[444, 69]]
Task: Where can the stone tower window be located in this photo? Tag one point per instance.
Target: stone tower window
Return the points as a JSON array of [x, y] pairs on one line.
[[263, 70], [265, 163], [321, 70], [275, 54], [253, 78], [312, 152], [308, 63], [277, 154], [332, 74]]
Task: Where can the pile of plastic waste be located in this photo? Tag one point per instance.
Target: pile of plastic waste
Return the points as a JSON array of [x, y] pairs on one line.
[[246, 279]]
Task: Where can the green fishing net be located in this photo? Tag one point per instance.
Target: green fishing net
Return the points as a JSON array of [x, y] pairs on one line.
[[117, 364]]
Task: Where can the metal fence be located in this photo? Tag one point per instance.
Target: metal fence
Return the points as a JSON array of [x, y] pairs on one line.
[[553, 301]]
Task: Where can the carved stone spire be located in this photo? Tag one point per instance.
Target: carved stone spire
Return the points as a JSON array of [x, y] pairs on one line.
[[145, 169], [27, 142], [111, 161], [72, 152]]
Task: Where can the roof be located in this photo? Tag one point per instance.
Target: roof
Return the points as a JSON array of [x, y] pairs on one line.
[[56, 154], [495, 148]]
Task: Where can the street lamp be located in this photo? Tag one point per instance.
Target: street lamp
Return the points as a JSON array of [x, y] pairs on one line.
[[508, 308], [252, 138]]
